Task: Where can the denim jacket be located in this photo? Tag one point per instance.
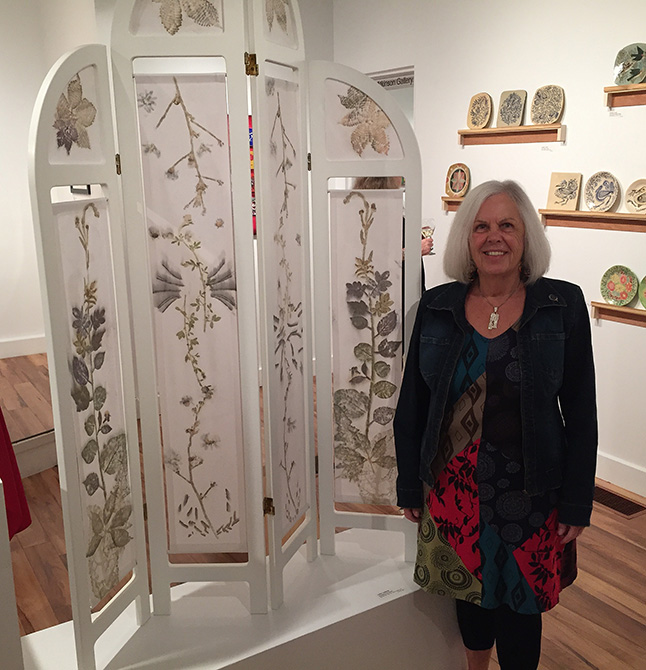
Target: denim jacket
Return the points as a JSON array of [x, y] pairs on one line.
[[557, 396]]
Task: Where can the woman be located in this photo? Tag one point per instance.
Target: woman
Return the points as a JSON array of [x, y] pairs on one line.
[[495, 428]]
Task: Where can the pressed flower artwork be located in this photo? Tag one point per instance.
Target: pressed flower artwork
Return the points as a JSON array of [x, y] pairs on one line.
[[193, 290], [74, 115], [202, 12], [279, 22], [284, 290], [97, 394], [367, 353]]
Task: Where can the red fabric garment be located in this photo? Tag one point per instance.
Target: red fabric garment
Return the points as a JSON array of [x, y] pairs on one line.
[[18, 516]]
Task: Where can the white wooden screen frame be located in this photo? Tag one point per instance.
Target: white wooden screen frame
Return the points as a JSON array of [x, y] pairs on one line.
[[323, 169], [9, 629], [43, 176], [294, 58], [231, 44]]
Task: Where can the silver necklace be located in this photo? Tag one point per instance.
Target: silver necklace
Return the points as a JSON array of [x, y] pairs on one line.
[[494, 317]]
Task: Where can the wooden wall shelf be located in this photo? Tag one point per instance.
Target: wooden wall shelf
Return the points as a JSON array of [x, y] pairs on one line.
[[625, 96], [451, 203], [600, 220], [629, 315], [554, 132]]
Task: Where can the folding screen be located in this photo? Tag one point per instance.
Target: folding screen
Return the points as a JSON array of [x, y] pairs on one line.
[[81, 257]]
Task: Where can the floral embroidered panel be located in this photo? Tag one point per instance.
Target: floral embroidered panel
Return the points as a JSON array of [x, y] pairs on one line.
[[280, 27], [96, 389], [75, 136], [172, 17], [283, 256], [187, 186], [356, 127], [366, 271]]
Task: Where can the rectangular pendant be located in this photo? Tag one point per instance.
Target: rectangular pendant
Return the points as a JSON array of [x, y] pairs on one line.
[[493, 320]]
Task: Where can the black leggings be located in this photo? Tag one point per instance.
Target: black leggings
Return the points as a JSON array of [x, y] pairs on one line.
[[517, 636]]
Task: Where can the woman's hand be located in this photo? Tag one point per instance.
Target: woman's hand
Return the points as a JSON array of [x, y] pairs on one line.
[[568, 533], [413, 514]]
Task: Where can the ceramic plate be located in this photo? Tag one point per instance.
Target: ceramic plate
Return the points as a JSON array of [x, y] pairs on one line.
[[642, 291], [457, 180], [480, 109], [511, 108], [636, 197], [619, 285], [601, 191], [564, 191], [547, 105], [630, 65]]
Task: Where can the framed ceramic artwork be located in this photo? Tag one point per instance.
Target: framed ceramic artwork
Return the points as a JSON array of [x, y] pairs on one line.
[[547, 105], [564, 191], [630, 65], [457, 180], [642, 292], [619, 285], [511, 108], [636, 197], [480, 108], [601, 191]]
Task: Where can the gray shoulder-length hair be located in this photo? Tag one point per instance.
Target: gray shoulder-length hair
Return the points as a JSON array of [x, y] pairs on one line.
[[457, 257]]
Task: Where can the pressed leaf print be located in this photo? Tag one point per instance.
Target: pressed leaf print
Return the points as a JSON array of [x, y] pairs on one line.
[[74, 114], [365, 396], [367, 119], [201, 11], [196, 146], [197, 315], [287, 319], [276, 10], [105, 449]]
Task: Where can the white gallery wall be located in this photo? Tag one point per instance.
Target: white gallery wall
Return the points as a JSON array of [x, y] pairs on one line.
[[459, 48]]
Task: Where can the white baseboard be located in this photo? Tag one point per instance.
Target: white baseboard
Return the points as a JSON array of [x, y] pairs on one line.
[[35, 454], [23, 347], [629, 476]]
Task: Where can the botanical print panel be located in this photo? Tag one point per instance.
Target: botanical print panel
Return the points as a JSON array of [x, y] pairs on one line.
[[172, 17], [96, 388], [279, 23], [367, 336], [75, 130], [185, 157], [284, 261], [356, 127]]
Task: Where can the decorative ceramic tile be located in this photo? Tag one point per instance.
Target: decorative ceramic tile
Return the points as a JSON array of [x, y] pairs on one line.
[[458, 178], [636, 197], [480, 108], [619, 285], [511, 108], [564, 191], [547, 105], [630, 64], [601, 191]]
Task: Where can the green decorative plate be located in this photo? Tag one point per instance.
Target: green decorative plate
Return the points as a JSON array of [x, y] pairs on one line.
[[619, 285], [642, 291]]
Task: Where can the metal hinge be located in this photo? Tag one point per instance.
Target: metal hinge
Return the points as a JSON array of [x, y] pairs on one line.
[[309, 162], [268, 506], [117, 163], [250, 64]]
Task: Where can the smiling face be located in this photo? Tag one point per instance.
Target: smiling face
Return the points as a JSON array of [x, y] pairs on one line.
[[497, 238]]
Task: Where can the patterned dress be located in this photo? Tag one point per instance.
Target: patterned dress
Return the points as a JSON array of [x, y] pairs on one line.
[[481, 537]]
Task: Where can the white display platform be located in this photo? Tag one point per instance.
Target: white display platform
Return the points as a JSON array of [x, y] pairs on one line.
[[357, 609]]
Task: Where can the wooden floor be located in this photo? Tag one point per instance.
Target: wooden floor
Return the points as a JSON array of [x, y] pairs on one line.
[[600, 623]]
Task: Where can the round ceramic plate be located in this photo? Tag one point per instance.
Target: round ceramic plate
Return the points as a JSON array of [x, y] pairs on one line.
[[547, 105], [619, 285], [636, 197], [457, 180], [601, 191], [642, 291], [479, 111], [630, 65]]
